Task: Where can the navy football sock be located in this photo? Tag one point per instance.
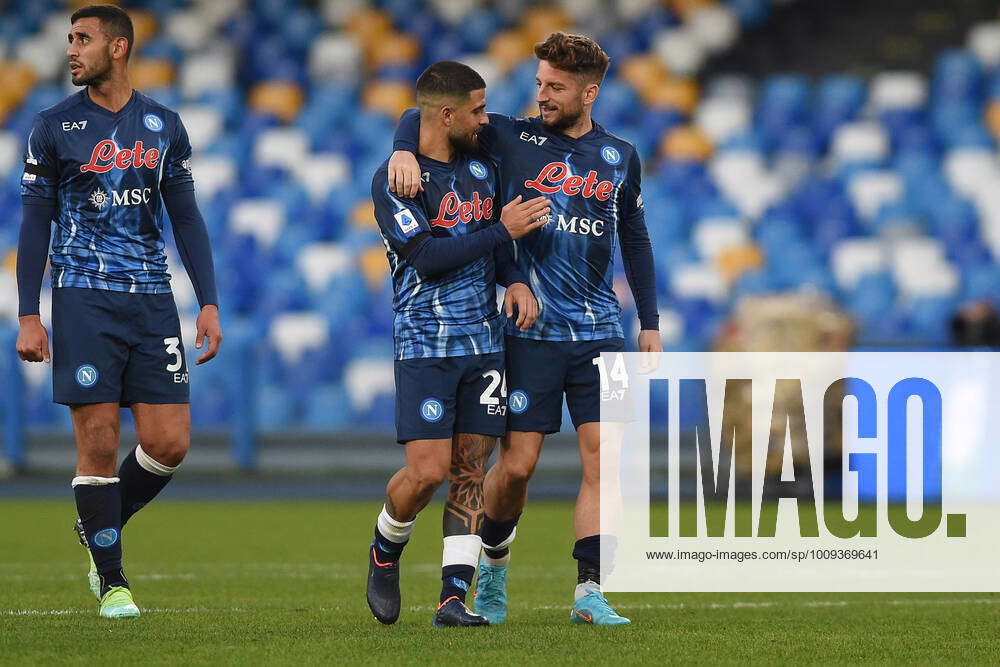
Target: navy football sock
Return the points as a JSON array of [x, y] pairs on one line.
[[140, 483], [495, 532], [587, 552], [455, 581], [391, 550], [98, 502]]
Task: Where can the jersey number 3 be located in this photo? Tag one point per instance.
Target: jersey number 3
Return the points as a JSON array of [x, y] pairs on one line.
[[173, 347]]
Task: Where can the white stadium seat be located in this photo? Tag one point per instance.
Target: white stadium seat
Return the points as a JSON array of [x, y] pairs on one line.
[[898, 90], [261, 218], [870, 190], [281, 147], [319, 263], [851, 259], [10, 153], [321, 172], [679, 50], [212, 173], [984, 42], [203, 124], [715, 27], [206, 72], [335, 57], [367, 378], [860, 142], [723, 117], [920, 268], [713, 235], [295, 334], [698, 281]]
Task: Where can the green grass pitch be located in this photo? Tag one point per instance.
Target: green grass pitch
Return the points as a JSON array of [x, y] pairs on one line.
[[270, 582]]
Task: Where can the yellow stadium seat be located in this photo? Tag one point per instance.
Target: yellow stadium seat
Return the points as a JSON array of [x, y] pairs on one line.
[[74, 5], [685, 143], [369, 26], [10, 262], [282, 99], [390, 97], [675, 93], [144, 24], [540, 22], [393, 48], [685, 8], [993, 117], [643, 71], [363, 215], [737, 260], [510, 48], [374, 268], [16, 81], [146, 74]]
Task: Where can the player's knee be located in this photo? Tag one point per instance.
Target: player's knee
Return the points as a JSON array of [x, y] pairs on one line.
[[519, 471], [167, 452], [428, 476]]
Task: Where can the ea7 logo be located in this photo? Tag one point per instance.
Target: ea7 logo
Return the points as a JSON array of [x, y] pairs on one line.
[[74, 125], [532, 139]]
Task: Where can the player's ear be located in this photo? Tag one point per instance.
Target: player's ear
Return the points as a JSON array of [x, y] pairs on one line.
[[447, 114], [119, 47], [590, 93]]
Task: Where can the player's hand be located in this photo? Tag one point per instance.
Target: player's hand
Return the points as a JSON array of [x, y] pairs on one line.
[[650, 346], [404, 174], [32, 339], [520, 295], [208, 327], [523, 217]]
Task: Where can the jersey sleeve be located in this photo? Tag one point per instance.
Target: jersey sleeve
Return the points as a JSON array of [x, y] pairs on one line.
[[41, 163], [637, 252], [407, 137], [177, 170], [402, 221]]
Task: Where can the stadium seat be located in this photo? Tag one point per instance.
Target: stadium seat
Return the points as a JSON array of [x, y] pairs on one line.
[[296, 334], [259, 218], [366, 379], [320, 263], [698, 281], [852, 259], [281, 147], [984, 43]]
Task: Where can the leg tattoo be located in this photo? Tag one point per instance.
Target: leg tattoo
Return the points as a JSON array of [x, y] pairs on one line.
[[464, 510]]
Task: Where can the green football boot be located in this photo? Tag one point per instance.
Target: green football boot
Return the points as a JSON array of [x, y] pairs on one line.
[[118, 603]]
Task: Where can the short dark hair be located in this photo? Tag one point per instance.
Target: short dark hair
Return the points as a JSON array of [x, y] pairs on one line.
[[574, 53], [115, 22], [447, 79]]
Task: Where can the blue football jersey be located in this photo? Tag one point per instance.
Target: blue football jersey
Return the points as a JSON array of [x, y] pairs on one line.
[[594, 184], [456, 313], [106, 171]]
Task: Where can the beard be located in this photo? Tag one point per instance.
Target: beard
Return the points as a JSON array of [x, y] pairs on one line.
[[564, 121], [466, 143], [101, 72]]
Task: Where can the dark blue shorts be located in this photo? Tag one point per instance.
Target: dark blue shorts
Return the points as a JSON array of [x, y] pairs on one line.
[[439, 397], [539, 372], [116, 347]]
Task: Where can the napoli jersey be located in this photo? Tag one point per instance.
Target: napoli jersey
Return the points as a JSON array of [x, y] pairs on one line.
[[106, 170], [456, 313], [593, 183]]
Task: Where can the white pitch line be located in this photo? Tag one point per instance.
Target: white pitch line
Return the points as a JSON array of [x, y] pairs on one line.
[[632, 607]]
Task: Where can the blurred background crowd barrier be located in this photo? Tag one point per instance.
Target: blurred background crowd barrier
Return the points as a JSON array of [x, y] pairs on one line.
[[818, 174]]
